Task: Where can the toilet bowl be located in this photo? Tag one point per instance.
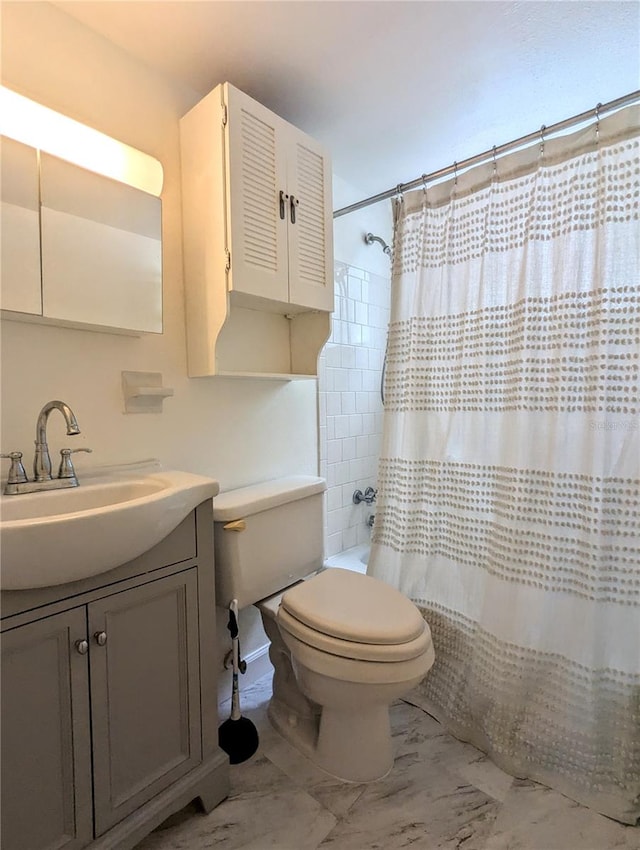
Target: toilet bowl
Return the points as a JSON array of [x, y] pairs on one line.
[[355, 645], [343, 645]]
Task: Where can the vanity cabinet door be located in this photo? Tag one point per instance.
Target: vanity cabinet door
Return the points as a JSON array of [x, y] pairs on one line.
[[46, 758], [145, 688]]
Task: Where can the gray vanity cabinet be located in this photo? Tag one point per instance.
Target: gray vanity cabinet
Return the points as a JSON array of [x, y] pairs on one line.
[[109, 700]]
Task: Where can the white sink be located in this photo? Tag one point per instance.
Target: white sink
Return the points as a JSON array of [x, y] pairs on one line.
[[59, 536]]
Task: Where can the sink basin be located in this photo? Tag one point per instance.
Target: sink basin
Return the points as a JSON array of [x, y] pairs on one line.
[[59, 536], [85, 498]]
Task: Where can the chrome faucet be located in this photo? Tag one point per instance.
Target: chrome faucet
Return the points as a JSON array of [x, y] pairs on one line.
[[41, 460], [17, 481]]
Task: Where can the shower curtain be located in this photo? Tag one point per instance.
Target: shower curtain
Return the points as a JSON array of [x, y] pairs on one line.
[[509, 498]]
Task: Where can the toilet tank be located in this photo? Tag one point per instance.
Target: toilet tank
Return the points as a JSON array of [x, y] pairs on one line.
[[266, 537]]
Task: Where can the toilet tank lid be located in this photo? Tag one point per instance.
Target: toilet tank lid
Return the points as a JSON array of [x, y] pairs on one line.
[[235, 504]]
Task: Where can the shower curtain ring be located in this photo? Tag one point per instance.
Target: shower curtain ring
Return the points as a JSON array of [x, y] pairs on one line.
[[399, 194], [455, 173], [542, 129], [424, 184], [597, 111], [495, 163]]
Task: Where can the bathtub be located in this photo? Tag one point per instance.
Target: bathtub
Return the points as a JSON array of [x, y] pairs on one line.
[[354, 559]]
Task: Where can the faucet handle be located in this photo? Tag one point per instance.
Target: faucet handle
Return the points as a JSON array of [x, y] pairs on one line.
[[66, 469], [370, 495], [17, 474]]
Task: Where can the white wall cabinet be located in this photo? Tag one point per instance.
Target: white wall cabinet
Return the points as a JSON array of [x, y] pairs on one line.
[[258, 242], [78, 248]]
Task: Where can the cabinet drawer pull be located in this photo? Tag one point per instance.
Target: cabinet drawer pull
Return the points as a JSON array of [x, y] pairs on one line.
[[82, 646], [101, 638], [282, 207]]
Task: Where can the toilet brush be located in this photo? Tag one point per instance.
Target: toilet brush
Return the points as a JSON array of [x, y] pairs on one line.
[[237, 736]]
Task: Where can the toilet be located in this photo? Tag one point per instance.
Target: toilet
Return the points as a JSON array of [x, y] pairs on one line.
[[343, 645]]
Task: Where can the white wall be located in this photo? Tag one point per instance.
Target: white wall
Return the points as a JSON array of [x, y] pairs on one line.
[[237, 431], [348, 231], [350, 409]]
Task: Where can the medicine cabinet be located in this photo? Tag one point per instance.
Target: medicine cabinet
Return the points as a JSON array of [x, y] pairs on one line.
[[78, 248]]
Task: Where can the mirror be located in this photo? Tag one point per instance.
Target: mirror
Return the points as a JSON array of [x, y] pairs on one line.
[[101, 249], [80, 224], [19, 229]]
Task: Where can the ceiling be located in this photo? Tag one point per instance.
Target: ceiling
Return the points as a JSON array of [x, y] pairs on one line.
[[393, 89]]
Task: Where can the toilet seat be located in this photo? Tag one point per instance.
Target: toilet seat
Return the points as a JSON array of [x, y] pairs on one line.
[[354, 649], [354, 617], [355, 608], [343, 669]]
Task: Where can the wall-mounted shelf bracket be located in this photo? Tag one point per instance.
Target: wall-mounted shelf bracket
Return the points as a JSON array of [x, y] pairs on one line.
[[143, 392]]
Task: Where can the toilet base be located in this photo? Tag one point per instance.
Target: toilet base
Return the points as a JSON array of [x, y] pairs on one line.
[[346, 747], [348, 740], [300, 731], [338, 743]]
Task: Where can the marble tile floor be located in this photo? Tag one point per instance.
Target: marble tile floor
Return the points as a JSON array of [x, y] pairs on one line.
[[442, 794]]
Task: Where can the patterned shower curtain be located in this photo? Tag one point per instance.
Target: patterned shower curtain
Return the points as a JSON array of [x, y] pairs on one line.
[[509, 481]]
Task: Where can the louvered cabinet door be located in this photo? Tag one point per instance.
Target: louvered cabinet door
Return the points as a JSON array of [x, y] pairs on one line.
[[311, 225], [256, 219]]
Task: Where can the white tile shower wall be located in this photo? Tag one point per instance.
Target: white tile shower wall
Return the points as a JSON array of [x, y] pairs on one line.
[[349, 373]]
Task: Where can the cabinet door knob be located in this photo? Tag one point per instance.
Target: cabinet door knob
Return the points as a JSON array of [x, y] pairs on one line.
[[101, 638], [82, 646]]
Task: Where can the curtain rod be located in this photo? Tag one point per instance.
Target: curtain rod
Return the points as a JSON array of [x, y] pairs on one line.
[[597, 112]]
